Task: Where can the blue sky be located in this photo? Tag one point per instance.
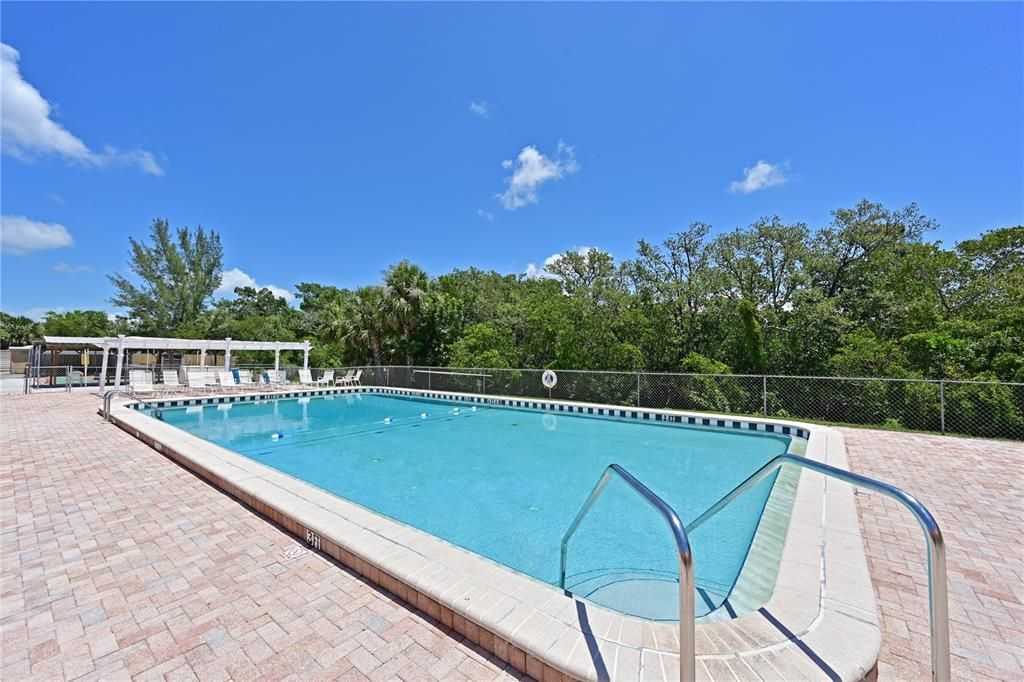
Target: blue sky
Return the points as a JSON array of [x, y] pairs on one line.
[[325, 141]]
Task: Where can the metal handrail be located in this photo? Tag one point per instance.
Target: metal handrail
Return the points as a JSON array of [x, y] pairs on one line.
[[460, 374], [115, 391], [687, 648], [938, 600]]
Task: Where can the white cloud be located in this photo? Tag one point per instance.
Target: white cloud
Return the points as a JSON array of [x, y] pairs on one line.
[[71, 269], [37, 314], [486, 215], [234, 278], [531, 169], [20, 235], [55, 198], [761, 175], [27, 129], [534, 272], [481, 109]]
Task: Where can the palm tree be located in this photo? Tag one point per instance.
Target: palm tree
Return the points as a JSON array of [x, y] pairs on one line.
[[18, 331], [358, 322], [405, 289]]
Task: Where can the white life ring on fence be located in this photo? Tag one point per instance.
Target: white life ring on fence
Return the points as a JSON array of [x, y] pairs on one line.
[[549, 379]]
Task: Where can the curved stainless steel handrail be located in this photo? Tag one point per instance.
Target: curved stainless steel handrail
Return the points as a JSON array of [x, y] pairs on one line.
[[687, 649], [115, 391], [937, 586]]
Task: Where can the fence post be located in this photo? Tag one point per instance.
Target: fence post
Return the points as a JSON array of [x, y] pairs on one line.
[[638, 389], [942, 406], [764, 394]]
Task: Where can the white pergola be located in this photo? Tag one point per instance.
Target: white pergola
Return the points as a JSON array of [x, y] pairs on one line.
[[124, 343]]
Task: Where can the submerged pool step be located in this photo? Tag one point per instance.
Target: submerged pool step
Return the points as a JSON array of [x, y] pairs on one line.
[[643, 593]]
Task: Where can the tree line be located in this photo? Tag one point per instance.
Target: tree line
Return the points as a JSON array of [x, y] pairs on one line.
[[868, 294]]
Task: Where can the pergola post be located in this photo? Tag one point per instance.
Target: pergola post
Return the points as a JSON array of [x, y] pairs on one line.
[[120, 360], [227, 353], [305, 356], [202, 358], [277, 357], [103, 368]]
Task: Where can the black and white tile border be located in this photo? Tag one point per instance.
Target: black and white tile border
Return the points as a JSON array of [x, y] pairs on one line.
[[520, 403]]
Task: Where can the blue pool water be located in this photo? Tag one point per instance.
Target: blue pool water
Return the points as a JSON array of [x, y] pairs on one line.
[[506, 483]]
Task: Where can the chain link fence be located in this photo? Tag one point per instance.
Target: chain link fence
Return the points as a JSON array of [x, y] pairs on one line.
[[972, 408], [50, 378]]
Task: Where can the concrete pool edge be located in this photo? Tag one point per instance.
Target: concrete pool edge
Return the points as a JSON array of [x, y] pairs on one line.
[[821, 620]]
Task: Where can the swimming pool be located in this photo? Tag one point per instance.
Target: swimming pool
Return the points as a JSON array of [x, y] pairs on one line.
[[505, 483]]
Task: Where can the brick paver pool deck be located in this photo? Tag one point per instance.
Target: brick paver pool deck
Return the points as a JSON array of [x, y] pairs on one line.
[[116, 563], [975, 490]]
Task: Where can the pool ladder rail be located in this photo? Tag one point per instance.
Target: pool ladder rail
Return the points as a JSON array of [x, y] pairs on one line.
[[120, 391], [937, 582]]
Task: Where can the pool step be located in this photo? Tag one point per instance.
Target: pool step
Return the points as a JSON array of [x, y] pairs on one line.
[[653, 595]]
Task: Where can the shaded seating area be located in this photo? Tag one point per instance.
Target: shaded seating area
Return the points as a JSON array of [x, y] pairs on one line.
[[154, 366], [199, 377]]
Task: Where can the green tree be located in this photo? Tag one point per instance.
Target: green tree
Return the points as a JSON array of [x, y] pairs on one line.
[[18, 330], [601, 327], [405, 288], [842, 253], [176, 276], [674, 282], [862, 354], [314, 299], [753, 337], [253, 315], [78, 323], [808, 336], [764, 262], [484, 345], [937, 354], [359, 323]]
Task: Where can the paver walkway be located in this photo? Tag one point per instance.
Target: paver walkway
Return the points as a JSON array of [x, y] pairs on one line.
[[117, 563], [975, 490]]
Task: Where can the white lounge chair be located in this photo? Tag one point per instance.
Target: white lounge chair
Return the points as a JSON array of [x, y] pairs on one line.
[[140, 381], [245, 379], [195, 379], [170, 382], [352, 378], [226, 380], [274, 378], [344, 381], [327, 379], [306, 378]]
